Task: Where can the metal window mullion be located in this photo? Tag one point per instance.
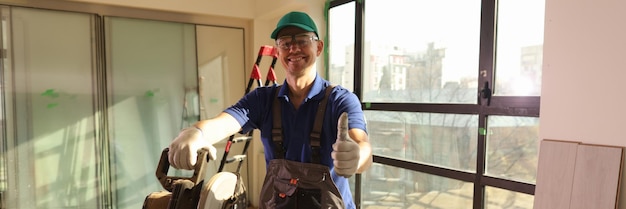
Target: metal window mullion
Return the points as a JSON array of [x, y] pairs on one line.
[[426, 168], [515, 186], [485, 76], [358, 77], [103, 167], [359, 38], [481, 155]]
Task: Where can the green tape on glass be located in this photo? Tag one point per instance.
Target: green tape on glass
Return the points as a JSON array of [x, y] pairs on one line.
[[482, 131], [149, 93], [50, 93], [52, 105]]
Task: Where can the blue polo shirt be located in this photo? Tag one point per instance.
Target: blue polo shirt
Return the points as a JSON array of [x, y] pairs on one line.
[[254, 111]]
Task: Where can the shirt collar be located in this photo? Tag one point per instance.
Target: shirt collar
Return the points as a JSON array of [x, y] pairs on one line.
[[317, 90]]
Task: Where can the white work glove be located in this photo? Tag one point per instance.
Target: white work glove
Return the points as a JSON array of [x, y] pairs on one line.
[[183, 151], [346, 152]]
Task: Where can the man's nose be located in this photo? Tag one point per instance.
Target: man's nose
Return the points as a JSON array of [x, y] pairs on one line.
[[293, 46]]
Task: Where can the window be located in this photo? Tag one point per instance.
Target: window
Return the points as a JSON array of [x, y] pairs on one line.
[[434, 49], [341, 47], [451, 92]]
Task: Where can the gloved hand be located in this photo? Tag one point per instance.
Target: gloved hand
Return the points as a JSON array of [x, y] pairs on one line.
[[346, 152], [183, 151]]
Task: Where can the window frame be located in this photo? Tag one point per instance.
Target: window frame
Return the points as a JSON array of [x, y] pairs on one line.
[[527, 106]]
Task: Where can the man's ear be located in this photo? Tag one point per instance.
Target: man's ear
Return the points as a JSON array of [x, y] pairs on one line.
[[320, 47]]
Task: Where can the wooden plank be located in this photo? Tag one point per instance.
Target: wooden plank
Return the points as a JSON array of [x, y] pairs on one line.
[[596, 177], [555, 174]]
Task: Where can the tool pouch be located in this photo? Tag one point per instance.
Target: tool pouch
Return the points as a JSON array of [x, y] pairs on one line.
[[290, 184]]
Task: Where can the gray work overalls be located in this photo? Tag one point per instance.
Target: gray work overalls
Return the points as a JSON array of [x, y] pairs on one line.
[[296, 185]]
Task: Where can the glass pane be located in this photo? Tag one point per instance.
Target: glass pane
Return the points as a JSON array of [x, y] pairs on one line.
[[447, 140], [519, 48], [220, 51], [496, 198], [513, 148], [341, 45], [153, 88], [51, 154], [391, 187], [421, 51]]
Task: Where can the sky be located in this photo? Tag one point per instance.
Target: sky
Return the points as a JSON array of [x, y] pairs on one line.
[[450, 24]]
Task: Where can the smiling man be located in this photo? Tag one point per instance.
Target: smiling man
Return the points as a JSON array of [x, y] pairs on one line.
[[308, 160]]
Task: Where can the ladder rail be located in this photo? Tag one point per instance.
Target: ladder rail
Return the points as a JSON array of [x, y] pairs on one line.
[[255, 77]]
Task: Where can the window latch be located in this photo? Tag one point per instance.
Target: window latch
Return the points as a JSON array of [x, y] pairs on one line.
[[485, 93]]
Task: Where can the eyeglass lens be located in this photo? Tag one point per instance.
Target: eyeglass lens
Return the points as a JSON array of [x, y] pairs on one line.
[[301, 40]]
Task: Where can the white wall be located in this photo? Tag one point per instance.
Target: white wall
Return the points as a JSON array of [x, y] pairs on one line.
[[584, 73]]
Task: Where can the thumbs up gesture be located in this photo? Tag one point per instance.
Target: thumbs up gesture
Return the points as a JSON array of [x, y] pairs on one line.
[[346, 152]]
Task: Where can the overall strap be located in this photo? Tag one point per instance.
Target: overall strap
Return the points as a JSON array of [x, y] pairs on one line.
[[277, 128], [316, 133]]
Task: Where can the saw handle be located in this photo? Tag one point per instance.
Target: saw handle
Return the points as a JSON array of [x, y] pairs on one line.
[[168, 181]]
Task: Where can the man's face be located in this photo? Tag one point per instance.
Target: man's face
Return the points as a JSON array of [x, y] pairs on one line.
[[298, 49]]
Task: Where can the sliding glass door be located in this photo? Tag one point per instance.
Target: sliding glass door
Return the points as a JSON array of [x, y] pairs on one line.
[[50, 160], [152, 73], [89, 102]]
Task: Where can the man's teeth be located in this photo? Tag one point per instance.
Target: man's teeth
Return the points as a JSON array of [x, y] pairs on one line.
[[296, 59]]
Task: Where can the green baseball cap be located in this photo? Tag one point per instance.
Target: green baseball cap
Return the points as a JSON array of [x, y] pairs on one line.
[[297, 19]]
